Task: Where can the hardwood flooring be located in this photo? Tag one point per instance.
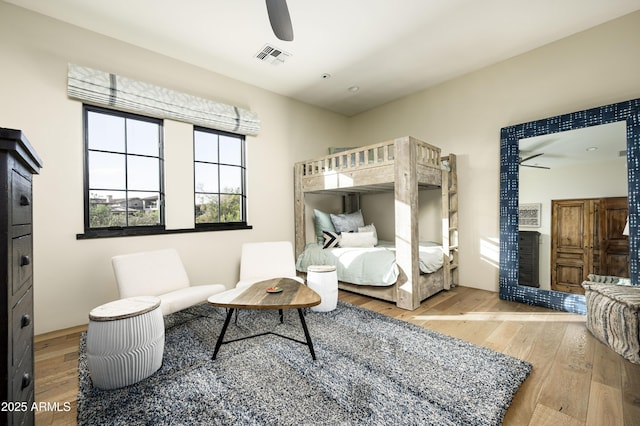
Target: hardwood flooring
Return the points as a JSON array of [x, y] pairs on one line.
[[576, 380]]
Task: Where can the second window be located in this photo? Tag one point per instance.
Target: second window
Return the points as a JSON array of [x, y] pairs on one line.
[[219, 171]]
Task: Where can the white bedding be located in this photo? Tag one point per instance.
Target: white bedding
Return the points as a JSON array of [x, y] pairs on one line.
[[368, 266]]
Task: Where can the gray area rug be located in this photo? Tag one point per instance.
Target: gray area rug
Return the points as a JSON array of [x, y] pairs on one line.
[[371, 370]]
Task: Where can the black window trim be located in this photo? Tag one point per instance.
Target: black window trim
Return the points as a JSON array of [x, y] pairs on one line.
[[211, 226], [132, 231], [151, 230]]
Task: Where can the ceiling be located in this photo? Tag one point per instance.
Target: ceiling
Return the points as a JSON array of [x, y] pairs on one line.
[[388, 49], [594, 144]]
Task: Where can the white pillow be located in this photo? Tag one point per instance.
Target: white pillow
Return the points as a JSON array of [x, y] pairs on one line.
[[370, 228], [357, 239], [347, 222]]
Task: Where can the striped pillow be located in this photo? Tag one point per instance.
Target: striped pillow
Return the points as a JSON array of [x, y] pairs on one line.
[[331, 239]]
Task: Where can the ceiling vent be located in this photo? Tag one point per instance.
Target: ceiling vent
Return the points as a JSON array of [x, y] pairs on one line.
[[272, 55]]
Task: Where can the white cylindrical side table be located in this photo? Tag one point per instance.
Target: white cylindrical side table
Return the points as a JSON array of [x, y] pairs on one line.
[[125, 341], [323, 279]]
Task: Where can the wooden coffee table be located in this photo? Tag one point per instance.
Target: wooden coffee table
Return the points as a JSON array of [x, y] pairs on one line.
[[294, 295]]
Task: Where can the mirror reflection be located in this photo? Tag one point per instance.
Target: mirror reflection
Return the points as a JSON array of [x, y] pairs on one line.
[[573, 207]]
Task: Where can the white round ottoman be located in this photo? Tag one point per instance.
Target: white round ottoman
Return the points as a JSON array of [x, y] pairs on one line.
[[323, 279], [125, 341]]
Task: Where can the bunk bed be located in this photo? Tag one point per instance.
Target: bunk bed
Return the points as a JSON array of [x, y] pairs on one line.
[[403, 166]]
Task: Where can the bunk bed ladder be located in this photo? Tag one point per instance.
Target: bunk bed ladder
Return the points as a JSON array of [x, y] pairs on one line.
[[450, 222]]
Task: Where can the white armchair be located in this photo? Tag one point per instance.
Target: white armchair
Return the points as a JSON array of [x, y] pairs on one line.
[[160, 273], [266, 260]]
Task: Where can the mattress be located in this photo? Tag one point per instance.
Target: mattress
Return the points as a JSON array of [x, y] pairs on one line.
[[368, 266]]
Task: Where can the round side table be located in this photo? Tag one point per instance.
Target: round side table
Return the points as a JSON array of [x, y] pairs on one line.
[[323, 279], [125, 341]]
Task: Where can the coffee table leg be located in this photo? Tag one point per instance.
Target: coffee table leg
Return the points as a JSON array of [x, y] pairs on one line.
[[306, 334], [224, 330]]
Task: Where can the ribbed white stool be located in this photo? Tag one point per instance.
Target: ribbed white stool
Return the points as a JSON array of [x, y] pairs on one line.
[[125, 341], [323, 279]]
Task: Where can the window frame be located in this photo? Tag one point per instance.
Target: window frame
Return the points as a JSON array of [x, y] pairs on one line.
[[119, 231], [222, 226]]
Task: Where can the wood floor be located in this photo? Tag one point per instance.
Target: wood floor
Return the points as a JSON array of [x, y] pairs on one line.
[[576, 380]]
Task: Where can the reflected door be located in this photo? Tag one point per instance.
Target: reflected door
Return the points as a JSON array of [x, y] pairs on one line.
[[586, 238], [572, 238], [614, 246]]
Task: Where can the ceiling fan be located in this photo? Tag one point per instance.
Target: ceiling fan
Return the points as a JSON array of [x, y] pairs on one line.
[[280, 19], [531, 157]]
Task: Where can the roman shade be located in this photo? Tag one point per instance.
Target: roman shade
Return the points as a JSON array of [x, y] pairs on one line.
[[114, 91]]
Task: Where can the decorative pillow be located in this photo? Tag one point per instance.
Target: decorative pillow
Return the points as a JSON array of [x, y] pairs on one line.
[[323, 223], [347, 222], [608, 279], [331, 239], [357, 239], [370, 228]]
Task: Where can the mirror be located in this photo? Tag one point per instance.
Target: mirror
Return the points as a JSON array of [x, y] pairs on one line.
[[583, 173], [628, 112]]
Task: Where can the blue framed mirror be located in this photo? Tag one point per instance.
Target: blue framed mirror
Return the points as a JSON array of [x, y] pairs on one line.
[[628, 111]]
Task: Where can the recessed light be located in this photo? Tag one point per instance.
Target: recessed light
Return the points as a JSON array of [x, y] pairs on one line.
[[353, 89], [592, 148]]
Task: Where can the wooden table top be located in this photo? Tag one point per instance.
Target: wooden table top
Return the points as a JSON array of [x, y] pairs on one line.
[[294, 295], [124, 308]]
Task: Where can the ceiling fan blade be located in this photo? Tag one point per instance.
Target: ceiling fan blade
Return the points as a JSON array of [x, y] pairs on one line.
[[530, 157], [280, 19], [537, 167]]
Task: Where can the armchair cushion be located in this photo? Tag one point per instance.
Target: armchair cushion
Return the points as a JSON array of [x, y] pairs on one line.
[[266, 260], [183, 298], [160, 273], [150, 273]]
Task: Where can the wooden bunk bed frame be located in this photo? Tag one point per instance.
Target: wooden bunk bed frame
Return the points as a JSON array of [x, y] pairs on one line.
[[404, 166]]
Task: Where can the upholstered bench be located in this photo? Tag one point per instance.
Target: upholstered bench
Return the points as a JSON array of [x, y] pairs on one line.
[[613, 314]]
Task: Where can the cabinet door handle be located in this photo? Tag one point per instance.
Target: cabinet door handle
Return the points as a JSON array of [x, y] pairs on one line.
[[24, 200], [25, 320], [24, 260]]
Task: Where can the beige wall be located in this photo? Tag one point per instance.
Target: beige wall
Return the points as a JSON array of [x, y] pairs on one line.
[[465, 115], [73, 276]]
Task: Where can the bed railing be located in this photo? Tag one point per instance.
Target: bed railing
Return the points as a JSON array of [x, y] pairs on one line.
[[379, 154]]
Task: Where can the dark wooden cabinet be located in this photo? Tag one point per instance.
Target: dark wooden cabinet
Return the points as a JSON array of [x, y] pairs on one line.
[[529, 248], [18, 162]]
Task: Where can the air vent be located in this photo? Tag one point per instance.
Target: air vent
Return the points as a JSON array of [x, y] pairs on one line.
[[272, 55]]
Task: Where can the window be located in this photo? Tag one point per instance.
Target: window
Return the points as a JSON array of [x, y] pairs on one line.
[[123, 173], [219, 171]]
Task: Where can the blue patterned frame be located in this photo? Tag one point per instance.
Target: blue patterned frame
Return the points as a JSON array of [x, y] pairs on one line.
[[509, 185]]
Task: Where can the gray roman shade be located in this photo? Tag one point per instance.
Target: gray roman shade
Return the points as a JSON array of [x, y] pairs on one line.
[[114, 91]]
